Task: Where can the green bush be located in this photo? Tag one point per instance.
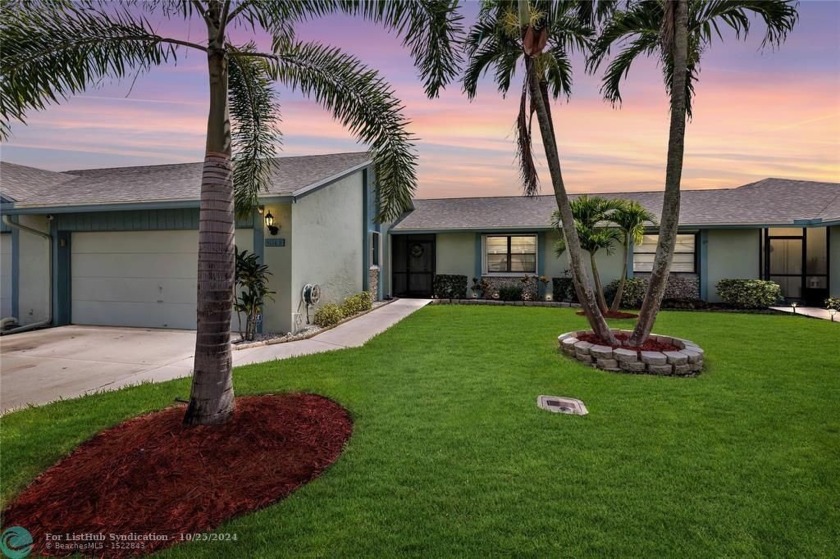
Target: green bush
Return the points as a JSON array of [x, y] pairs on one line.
[[510, 292], [563, 289], [749, 293], [360, 302], [633, 294], [833, 303], [447, 286], [328, 315]]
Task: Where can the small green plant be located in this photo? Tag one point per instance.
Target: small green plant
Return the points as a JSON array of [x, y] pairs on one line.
[[833, 303], [510, 292], [252, 285], [328, 315], [749, 293], [450, 286], [563, 289], [360, 302], [633, 294]]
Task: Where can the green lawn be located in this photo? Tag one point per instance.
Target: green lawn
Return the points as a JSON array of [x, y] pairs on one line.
[[450, 456]]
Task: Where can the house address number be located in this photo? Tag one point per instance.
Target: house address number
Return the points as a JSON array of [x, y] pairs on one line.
[[275, 242]]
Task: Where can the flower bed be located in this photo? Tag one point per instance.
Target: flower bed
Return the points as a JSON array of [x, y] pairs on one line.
[[664, 356]]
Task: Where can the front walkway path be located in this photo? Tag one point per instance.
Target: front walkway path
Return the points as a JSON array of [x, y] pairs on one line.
[[66, 362], [813, 312]]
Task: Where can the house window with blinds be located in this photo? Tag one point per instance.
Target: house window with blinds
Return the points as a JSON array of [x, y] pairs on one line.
[[684, 254], [510, 254]]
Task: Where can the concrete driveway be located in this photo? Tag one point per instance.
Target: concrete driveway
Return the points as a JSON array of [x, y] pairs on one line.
[[65, 362], [69, 361]]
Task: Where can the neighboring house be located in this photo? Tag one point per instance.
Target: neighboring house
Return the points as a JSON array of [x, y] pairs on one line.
[[783, 230], [119, 246]]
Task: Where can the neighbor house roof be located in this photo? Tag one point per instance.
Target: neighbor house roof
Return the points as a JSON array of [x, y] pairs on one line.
[[763, 203], [34, 188]]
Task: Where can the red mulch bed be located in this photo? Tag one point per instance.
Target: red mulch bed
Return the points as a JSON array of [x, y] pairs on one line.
[[611, 314], [151, 475], [649, 345]]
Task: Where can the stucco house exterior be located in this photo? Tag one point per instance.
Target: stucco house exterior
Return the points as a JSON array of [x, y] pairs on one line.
[[119, 246], [787, 231]]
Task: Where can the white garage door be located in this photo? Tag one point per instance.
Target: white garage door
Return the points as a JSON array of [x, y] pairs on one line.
[[5, 275], [144, 279]]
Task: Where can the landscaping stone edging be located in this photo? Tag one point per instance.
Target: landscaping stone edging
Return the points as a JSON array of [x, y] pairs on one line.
[[687, 362]]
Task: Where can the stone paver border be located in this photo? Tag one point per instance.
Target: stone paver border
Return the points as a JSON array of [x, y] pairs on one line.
[[686, 362]]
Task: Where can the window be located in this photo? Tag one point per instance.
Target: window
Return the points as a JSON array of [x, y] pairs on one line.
[[644, 254], [374, 248], [510, 254]]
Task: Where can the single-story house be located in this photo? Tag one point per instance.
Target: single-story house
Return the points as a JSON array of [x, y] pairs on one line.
[[118, 246], [787, 231]]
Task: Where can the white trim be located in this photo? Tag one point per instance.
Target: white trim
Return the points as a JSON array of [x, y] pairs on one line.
[[485, 272]]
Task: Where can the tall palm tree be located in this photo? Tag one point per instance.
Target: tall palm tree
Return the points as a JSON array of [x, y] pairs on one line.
[[537, 37], [592, 215], [677, 32], [631, 218], [54, 49]]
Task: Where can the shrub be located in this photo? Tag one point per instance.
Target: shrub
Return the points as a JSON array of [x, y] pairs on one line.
[[447, 286], [360, 302], [690, 304], [749, 293], [633, 294], [833, 303], [328, 315], [563, 289], [510, 292]]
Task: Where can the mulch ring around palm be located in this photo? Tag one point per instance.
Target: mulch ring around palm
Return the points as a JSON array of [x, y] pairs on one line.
[[150, 481]]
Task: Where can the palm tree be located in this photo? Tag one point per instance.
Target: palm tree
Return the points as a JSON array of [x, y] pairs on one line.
[[592, 215], [631, 218], [540, 34], [678, 32], [52, 50]]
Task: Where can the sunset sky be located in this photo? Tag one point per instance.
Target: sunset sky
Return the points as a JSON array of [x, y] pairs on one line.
[[757, 114]]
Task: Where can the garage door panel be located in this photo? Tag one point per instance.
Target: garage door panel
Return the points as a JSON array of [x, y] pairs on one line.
[[119, 265], [154, 242], [141, 315], [135, 290]]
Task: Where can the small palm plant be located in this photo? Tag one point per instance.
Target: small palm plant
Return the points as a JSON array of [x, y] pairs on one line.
[[252, 285], [631, 218]]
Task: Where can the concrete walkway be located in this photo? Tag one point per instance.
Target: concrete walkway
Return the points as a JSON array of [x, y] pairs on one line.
[[66, 362], [813, 312]]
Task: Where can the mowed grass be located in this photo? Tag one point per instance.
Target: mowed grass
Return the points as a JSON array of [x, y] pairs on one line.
[[450, 456]]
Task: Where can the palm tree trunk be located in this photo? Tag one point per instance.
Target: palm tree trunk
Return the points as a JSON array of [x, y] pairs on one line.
[[619, 293], [211, 396], [582, 287], [678, 11], [599, 290]]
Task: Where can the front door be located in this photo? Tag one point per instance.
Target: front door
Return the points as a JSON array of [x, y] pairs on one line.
[[785, 265], [413, 262], [797, 259]]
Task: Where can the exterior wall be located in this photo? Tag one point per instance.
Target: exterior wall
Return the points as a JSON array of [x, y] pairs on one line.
[[5, 274], [277, 315], [33, 272], [834, 260], [329, 244], [731, 254], [455, 254]]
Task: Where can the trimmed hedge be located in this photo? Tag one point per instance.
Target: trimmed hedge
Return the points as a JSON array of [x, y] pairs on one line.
[[450, 286], [633, 294], [510, 292], [563, 289], [833, 303], [749, 293], [360, 302], [328, 315]]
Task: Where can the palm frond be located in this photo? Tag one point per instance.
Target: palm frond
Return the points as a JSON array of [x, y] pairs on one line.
[[780, 17], [489, 45], [53, 51], [524, 147], [363, 102], [255, 134]]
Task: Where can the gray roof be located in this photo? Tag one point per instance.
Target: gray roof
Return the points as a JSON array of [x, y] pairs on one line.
[[34, 188], [766, 202]]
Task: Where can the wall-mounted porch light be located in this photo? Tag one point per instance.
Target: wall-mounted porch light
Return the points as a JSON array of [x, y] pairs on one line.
[[269, 222]]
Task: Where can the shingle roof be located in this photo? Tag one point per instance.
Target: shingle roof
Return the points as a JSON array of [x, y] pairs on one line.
[[30, 187], [767, 202]]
